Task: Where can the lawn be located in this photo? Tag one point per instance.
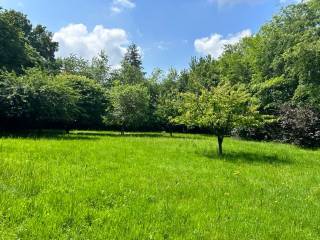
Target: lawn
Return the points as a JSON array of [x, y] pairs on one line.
[[100, 185]]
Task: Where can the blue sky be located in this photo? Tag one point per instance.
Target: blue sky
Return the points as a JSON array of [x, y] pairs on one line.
[[169, 32]]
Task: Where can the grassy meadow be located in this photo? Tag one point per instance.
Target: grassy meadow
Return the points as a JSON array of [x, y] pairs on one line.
[[100, 185]]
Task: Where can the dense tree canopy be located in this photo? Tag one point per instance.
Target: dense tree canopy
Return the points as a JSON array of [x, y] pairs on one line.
[[22, 45], [128, 106]]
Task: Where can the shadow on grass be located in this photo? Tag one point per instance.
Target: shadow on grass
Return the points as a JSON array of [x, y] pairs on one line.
[[87, 135], [141, 135], [247, 157], [54, 135]]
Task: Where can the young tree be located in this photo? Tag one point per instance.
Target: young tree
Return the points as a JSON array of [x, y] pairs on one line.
[[129, 106], [220, 109]]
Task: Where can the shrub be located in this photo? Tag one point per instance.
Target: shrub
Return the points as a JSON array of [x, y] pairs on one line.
[[300, 125]]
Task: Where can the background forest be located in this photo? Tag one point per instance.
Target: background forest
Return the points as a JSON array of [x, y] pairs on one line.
[[277, 71]]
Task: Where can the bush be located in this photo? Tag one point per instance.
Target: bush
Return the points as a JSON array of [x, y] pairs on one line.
[[300, 125], [267, 132], [92, 101], [36, 100]]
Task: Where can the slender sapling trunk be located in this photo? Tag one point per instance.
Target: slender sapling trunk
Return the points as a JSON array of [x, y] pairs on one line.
[[220, 141]]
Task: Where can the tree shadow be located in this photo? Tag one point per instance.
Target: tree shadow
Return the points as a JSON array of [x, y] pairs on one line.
[[87, 135], [135, 135], [248, 157], [45, 134]]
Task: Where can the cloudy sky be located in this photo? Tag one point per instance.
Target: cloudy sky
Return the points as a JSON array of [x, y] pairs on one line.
[[169, 32]]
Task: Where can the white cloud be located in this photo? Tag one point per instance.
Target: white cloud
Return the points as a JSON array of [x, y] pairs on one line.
[[162, 45], [115, 9], [119, 5], [76, 39], [214, 45]]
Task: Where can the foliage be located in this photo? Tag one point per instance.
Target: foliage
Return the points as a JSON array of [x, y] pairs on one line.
[[133, 57], [97, 69], [234, 65], [129, 106], [277, 66], [21, 45], [220, 109], [300, 125], [168, 109], [41, 39], [203, 73], [100, 69], [37, 100], [13, 50], [92, 101], [131, 71]]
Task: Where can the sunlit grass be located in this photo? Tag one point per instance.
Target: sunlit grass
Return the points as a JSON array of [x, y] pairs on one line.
[[100, 185]]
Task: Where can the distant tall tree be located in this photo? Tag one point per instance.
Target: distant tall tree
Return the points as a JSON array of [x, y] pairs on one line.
[[131, 71], [19, 21], [23, 46], [13, 52], [133, 57], [41, 39], [100, 69]]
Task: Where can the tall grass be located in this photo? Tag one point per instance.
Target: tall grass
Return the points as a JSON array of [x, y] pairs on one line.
[[100, 185]]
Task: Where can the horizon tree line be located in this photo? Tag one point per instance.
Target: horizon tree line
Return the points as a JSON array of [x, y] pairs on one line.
[[265, 87]]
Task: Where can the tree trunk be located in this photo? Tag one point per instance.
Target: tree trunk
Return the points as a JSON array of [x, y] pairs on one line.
[[170, 131], [220, 141], [122, 131]]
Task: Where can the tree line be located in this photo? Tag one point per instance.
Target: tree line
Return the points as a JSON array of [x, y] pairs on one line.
[[266, 87]]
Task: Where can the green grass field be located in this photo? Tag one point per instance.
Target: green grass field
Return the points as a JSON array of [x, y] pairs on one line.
[[100, 185]]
